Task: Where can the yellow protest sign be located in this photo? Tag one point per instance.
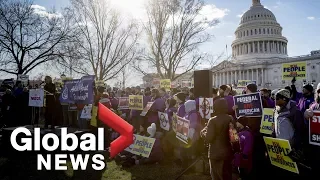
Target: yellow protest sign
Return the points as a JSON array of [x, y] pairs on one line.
[[294, 69], [165, 83], [267, 121], [136, 102], [278, 150], [141, 146], [93, 121]]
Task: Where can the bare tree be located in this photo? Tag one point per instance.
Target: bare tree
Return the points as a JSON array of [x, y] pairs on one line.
[[175, 29], [28, 39], [106, 44]]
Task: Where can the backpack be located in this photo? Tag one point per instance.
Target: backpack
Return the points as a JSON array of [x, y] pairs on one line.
[[299, 129]]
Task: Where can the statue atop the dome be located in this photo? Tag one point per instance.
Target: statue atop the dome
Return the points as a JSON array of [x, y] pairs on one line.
[[256, 3]]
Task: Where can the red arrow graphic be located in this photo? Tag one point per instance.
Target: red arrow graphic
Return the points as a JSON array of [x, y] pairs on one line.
[[118, 124]]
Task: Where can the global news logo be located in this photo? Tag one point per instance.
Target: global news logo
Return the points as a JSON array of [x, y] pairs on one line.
[[53, 151]]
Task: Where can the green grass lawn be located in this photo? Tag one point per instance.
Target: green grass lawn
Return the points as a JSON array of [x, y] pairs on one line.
[[148, 172], [167, 171]]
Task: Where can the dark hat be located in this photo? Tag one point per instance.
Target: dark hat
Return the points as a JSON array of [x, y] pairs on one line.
[[308, 87], [181, 96], [252, 87], [284, 93], [220, 106], [223, 87]]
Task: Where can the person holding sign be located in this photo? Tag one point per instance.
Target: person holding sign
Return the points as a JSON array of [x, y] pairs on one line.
[[181, 99], [194, 130], [50, 91], [170, 108], [157, 106], [156, 154], [216, 133], [243, 155], [288, 120], [313, 149]]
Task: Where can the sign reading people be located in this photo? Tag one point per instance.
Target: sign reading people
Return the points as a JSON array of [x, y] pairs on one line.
[[278, 150], [136, 102], [165, 83], [267, 121], [36, 97], [78, 91], [294, 69], [314, 129], [248, 105], [206, 107], [164, 121], [123, 103], [182, 129], [142, 146], [146, 109]]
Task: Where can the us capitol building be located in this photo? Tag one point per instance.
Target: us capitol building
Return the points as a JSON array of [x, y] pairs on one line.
[[259, 51]]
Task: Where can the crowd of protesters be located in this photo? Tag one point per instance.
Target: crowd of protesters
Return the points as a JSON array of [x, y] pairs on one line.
[[247, 156]]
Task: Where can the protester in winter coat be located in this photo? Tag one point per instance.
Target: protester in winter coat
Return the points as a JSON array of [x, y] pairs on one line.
[[243, 156], [307, 99], [7, 108], [266, 97], [19, 90], [311, 150], [170, 108], [163, 94], [157, 106], [216, 133], [187, 154], [224, 92], [258, 157], [283, 126], [180, 98], [50, 91], [156, 154]]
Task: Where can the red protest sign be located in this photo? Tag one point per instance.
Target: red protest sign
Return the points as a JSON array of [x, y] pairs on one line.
[[314, 129], [121, 126]]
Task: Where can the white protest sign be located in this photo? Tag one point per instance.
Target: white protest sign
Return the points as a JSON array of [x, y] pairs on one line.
[[86, 112], [164, 121], [23, 78], [206, 107], [36, 97], [142, 146]]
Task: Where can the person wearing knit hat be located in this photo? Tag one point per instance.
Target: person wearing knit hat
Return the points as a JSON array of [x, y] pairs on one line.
[[251, 88], [180, 98], [307, 99], [243, 159]]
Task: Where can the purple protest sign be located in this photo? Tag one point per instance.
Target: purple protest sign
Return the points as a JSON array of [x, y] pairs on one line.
[[78, 91], [248, 105]]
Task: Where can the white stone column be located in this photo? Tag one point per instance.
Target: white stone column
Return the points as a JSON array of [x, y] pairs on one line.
[[236, 76], [263, 49], [247, 74], [251, 74], [268, 48], [258, 46], [227, 77], [257, 76], [249, 48], [220, 77], [262, 78]]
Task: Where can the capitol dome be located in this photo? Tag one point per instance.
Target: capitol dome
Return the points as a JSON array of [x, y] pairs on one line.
[[259, 35]]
